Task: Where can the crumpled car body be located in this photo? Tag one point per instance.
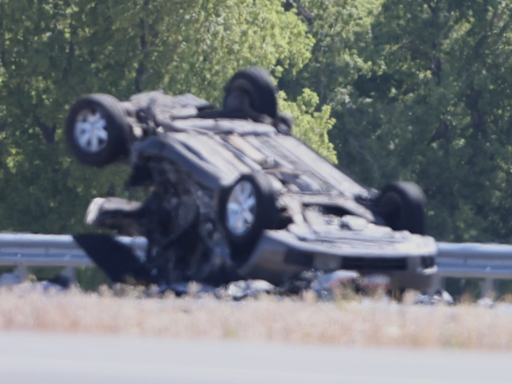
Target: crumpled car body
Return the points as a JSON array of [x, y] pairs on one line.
[[232, 198]]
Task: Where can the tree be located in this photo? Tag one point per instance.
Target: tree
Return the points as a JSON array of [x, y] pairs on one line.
[[52, 51], [421, 91], [311, 126]]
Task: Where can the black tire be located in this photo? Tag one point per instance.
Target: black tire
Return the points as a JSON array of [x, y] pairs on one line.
[[286, 119], [403, 206], [284, 124], [114, 146], [257, 83], [266, 214]]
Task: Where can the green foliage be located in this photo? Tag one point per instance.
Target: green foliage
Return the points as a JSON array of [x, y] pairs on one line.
[[53, 51], [311, 126], [417, 91]]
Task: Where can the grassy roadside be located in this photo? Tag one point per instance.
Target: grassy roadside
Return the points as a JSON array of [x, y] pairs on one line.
[[361, 322]]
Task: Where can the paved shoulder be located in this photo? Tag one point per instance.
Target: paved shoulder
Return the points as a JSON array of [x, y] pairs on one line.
[[56, 358]]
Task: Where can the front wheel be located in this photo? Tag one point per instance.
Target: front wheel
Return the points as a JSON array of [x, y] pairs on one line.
[[403, 206], [97, 130], [247, 209]]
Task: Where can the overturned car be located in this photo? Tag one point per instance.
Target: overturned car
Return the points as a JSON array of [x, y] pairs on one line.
[[231, 194]]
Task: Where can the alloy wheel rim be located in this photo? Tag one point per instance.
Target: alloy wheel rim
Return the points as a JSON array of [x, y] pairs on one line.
[[241, 208], [91, 133]]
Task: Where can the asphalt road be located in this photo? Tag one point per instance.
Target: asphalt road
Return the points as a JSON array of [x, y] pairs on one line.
[[56, 358]]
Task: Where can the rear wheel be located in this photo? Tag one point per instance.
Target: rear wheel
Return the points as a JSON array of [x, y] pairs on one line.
[[403, 206], [97, 130], [256, 84]]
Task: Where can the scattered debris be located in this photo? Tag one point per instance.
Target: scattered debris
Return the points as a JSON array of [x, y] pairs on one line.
[[440, 296]]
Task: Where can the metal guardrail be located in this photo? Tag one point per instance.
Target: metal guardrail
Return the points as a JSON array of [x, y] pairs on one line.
[[29, 250], [466, 260], [24, 250], [474, 260], [487, 262]]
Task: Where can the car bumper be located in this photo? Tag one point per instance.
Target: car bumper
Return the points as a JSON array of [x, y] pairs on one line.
[[280, 256]]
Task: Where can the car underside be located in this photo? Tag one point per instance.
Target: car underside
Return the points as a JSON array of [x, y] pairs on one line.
[[232, 195]]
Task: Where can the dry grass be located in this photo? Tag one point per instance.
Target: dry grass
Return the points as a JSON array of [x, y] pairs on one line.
[[347, 322]]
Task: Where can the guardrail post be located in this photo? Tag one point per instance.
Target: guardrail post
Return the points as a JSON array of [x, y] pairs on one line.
[[437, 284], [70, 272], [22, 271], [486, 287]]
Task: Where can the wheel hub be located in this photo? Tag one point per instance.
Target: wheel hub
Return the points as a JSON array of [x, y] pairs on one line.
[[90, 131], [241, 208]]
